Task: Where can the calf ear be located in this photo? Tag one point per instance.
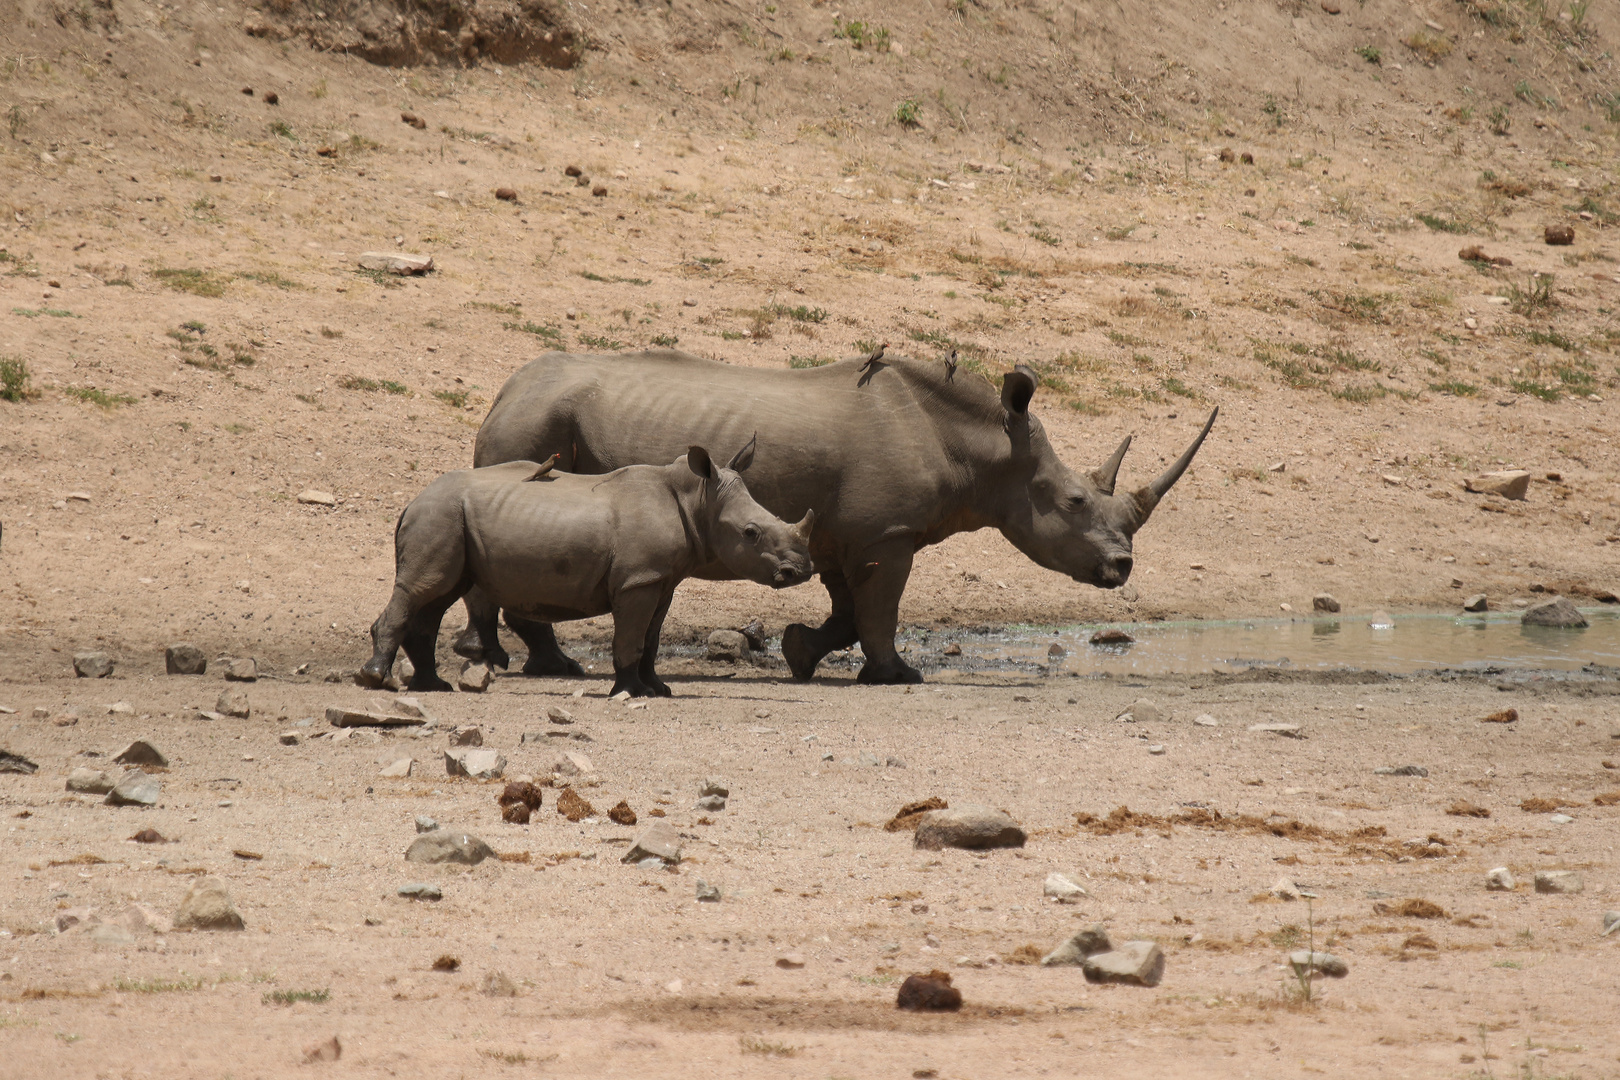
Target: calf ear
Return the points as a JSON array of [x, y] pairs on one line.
[[744, 457], [697, 459], [1017, 387]]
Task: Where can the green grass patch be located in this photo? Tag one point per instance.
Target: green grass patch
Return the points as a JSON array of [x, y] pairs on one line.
[[1455, 388], [1537, 295], [801, 313], [55, 313], [808, 361], [1175, 386], [748, 1044], [1553, 338], [1535, 389], [456, 399], [380, 277], [668, 341], [15, 380], [99, 398], [157, 986], [289, 997], [356, 382], [549, 333], [1371, 53], [1440, 224], [503, 309], [597, 341], [271, 278], [280, 127], [615, 280], [193, 281]]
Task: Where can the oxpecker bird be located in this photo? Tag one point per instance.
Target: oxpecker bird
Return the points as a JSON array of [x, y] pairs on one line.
[[950, 366], [874, 356]]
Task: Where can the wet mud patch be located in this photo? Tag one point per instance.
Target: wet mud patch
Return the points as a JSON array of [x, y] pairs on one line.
[[753, 1015]]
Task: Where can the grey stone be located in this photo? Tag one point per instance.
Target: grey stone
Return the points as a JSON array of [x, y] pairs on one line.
[[397, 770], [892, 762], [120, 708], [1136, 963], [75, 917], [288, 738], [233, 703], [425, 823], [1157, 749], [559, 715], [1401, 770], [90, 781], [474, 679], [1500, 880], [1559, 612], [711, 786], [1325, 602], [1062, 888], [1510, 484], [314, 497], [1283, 889], [1477, 602], [1560, 819], [658, 840], [476, 763], [184, 658], [207, 906], [112, 935], [136, 788], [209, 714], [1073, 951], [1288, 731], [142, 752], [16, 763], [869, 759], [467, 735], [448, 846], [245, 669], [572, 764], [92, 665], [409, 707], [1206, 720], [1611, 922], [968, 826], [1142, 711], [711, 803], [1558, 882], [1310, 964], [706, 893], [346, 718], [421, 890], [391, 262], [141, 919], [727, 646]]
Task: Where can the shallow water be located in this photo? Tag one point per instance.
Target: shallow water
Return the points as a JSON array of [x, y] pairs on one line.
[[1408, 643]]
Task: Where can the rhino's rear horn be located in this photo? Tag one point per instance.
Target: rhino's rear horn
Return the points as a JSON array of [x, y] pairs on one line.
[[1104, 477], [1147, 498]]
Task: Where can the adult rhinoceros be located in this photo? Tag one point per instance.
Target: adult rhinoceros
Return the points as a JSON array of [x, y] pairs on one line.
[[891, 461]]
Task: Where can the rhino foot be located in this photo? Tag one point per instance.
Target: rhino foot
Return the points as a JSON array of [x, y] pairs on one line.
[[372, 675], [469, 644], [895, 672], [629, 682], [555, 664], [801, 656], [428, 684]]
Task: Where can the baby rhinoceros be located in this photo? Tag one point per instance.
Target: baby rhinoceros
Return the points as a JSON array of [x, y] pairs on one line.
[[556, 546]]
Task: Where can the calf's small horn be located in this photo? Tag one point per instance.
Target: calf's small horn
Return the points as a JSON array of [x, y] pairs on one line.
[[803, 528], [1147, 498], [1104, 477]]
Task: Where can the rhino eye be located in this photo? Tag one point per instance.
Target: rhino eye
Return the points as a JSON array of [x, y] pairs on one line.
[[751, 534], [1073, 504]]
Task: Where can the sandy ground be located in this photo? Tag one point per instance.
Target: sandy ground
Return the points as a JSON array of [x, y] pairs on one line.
[[191, 346]]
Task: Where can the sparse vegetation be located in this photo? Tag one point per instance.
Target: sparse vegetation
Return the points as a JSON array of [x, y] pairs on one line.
[[1454, 388], [668, 341], [1501, 119], [597, 341], [549, 333], [270, 277], [1440, 224], [1371, 53], [907, 113], [157, 986], [288, 997], [456, 399], [55, 313], [1536, 296], [15, 380], [1430, 48], [748, 1044], [862, 35], [796, 361], [193, 281], [356, 382], [99, 398], [589, 276]]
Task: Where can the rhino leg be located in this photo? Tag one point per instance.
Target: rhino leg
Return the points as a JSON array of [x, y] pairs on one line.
[[649, 649], [545, 655], [633, 611], [387, 633], [480, 641], [877, 613], [804, 646], [422, 644]]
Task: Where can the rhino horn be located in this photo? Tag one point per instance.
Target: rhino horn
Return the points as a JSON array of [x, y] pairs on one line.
[[1147, 498], [1104, 477], [803, 528]]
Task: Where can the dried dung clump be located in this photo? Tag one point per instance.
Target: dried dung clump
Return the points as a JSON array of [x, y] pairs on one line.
[[1608, 798], [622, 814], [149, 836], [929, 993], [1414, 908], [1504, 716], [1537, 805], [515, 813], [526, 793], [571, 806], [447, 963], [911, 813], [1024, 954], [1464, 808]]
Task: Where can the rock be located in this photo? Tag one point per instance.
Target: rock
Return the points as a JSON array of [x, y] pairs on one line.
[[16, 763], [932, 992], [120, 708], [476, 763], [396, 262], [572, 764], [892, 762], [1500, 880], [1510, 484], [658, 840], [1140, 712], [1559, 882], [289, 738], [421, 890], [1325, 602], [1157, 749], [1560, 819], [573, 807], [349, 718], [706, 893], [1290, 731], [112, 935], [1559, 612], [1310, 964], [790, 961], [1206, 720], [207, 906], [1559, 235], [244, 669], [496, 984], [233, 703], [754, 633], [1401, 770], [1073, 951], [711, 786], [149, 836], [1611, 922], [135, 788], [90, 781], [968, 826], [599, 191], [409, 707], [92, 665], [559, 715], [425, 823], [1136, 963], [141, 919], [1284, 889], [727, 646], [953, 649], [467, 735], [448, 846], [325, 1050], [142, 752], [474, 679], [1501, 716], [74, 917], [184, 658], [711, 803], [398, 770], [1111, 637], [622, 814], [1477, 602]]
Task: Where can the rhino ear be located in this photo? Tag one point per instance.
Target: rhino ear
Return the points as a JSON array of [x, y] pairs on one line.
[[744, 457], [1017, 387], [697, 459]]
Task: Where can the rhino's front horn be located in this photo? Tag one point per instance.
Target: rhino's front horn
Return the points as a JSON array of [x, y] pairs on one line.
[[803, 528], [1104, 477], [1147, 498]]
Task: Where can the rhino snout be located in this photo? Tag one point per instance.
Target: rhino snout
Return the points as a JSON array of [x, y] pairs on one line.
[[788, 574], [1115, 572]]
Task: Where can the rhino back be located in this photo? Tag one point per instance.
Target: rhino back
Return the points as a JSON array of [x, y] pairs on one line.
[[871, 460]]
